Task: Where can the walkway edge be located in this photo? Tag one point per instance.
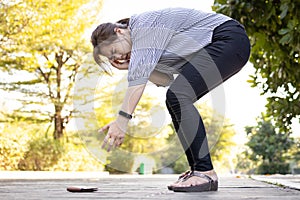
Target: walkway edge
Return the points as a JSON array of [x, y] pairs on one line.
[[289, 181]]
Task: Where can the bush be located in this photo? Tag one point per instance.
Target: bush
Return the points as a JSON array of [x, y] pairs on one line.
[[23, 146], [13, 143], [273, 168], [76, 157], [120, 163], [181, 165], [10, 153], [41, 155]]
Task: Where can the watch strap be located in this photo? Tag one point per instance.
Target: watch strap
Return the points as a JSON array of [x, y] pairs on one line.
[[125, 114]]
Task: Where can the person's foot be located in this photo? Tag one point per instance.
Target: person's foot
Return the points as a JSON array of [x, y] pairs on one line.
[[196, 180], [180, 178]]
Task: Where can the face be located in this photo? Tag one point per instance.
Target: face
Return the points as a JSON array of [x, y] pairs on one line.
[[119, 50]]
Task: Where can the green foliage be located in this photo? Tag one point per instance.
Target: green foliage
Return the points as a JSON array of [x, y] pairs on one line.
[[42, 153], [76, 157], [10, 153], [124, 161], [244, 165], [23, 146], [273, 27], [295, 154], [13, 143], [269, 146], [296, 151], [42, 46], [181, 165], [273, 168]]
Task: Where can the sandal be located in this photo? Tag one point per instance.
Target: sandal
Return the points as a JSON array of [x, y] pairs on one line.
[[180, 178], [211, 185]]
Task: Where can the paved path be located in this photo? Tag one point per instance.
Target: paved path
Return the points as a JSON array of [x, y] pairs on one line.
[[290, 181], [137, 187]]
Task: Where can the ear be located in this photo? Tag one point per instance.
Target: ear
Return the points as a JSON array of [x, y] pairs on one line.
[[117, 30]]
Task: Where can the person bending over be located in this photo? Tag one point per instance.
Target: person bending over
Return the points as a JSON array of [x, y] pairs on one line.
[[201, 49]]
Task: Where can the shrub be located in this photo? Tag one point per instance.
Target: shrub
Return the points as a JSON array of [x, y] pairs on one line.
[[273, 168], [181, 165], [13, 143], [120, 163], [41, 155], [77, 158]]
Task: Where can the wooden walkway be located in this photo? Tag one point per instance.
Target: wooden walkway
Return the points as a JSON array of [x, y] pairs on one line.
[[138, 187]]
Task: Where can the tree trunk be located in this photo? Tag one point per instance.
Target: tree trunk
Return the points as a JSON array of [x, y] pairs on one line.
[[58, 125], [58, 119]]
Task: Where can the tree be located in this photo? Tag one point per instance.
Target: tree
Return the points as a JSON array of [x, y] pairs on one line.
[[269, 147], [42, 46], [273, 27]]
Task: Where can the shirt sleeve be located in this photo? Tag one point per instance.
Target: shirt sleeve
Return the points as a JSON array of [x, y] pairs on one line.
[[161, 79], [148, 44]]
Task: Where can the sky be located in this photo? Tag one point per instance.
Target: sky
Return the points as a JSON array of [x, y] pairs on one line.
[[242, 104]]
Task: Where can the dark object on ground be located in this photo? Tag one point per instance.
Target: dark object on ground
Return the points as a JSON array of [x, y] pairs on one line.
[[81, 189]]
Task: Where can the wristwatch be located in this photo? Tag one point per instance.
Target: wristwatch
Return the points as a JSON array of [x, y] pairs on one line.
[[124, 114]]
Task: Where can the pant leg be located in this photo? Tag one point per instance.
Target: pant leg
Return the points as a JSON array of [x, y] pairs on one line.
[[189, 125], [211, 66]]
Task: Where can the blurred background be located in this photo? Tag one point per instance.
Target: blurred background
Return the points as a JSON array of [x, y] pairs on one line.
[[54, 97]]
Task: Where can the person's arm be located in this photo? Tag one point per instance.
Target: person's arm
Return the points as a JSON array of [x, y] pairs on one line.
[[116, 129], [160, 79], [132, 98]]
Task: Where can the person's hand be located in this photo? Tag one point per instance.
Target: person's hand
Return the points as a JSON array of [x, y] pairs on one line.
[[115, 135]]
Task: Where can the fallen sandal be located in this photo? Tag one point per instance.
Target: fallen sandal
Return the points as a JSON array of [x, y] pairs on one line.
[[180, 178], [211, 185]]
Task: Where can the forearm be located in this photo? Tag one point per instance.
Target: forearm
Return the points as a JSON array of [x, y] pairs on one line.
[[132, 97], [117, 129]]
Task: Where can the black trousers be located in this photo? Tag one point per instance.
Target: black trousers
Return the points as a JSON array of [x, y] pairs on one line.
[[208, 68]]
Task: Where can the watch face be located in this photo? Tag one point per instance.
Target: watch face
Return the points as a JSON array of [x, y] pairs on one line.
[[81, 189]]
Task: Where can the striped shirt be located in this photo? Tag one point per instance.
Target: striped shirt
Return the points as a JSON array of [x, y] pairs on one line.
[[162, 40]]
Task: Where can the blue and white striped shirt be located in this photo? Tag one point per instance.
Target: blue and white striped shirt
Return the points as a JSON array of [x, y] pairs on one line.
[[163, 40]]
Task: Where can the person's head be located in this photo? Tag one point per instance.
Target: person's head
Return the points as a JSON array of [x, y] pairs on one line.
[[112, 40]]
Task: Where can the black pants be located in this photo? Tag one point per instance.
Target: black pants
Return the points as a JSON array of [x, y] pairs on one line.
[[208, 68]]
